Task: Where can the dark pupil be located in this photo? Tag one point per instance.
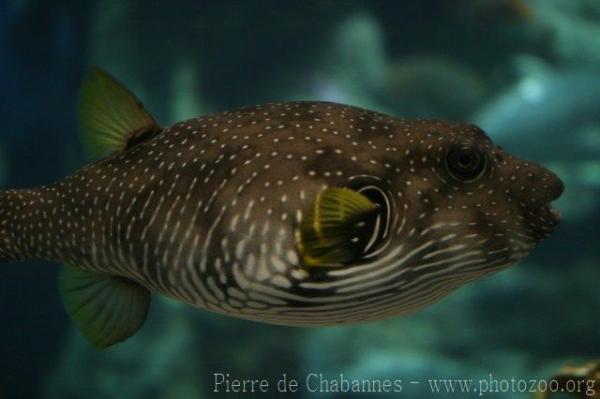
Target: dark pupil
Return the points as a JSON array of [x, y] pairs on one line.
[[466, 160], [465, 163]]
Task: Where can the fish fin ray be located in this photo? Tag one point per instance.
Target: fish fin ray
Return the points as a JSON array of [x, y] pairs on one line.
[[336, 227], [106, 309], [111, 117]]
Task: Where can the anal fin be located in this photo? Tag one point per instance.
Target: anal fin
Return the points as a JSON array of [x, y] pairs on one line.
[[106, 309]]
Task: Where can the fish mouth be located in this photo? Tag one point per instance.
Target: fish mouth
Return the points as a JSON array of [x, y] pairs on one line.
[[556, 214], [556, 191]]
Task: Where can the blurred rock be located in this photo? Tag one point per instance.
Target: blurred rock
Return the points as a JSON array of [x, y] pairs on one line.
[[538, 115], [160, 361], [354, 63], [175, 355], [573, 28], [495, 12], [420, 86], [357, 70]]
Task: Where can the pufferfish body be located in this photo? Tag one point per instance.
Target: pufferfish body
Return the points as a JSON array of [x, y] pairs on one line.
[[294, 213]]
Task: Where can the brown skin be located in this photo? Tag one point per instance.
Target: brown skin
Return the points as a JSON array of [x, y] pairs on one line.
[[262, 166]]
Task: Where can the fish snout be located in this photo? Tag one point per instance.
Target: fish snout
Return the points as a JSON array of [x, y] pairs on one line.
[[555, 186], [555, 190], [544, 185], [551, 188], [535, 188]]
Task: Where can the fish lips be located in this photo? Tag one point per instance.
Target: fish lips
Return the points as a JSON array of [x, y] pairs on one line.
[[555, 189]]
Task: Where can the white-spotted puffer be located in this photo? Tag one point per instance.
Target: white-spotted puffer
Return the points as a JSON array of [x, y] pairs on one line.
[[299, 213]]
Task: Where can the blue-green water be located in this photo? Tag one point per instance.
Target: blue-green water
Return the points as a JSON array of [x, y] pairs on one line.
[[528, 72]]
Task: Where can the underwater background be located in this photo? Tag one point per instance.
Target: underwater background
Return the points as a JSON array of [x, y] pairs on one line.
[[526, 71]]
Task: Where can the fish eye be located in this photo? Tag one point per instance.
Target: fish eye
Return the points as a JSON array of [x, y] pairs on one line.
[[465, 162]]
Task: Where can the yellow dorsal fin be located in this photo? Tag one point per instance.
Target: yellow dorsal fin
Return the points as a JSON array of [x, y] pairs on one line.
[[112, 118], [337, 228]]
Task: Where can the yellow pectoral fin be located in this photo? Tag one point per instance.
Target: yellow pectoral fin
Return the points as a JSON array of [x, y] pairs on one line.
[[111, 117], [335, 230], [106, 309]]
